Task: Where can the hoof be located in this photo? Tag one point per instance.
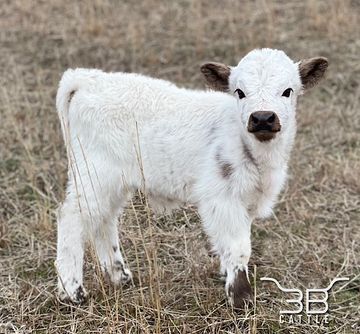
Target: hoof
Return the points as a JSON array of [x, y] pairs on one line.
[[77, 296], [239, 292], [118, 274]]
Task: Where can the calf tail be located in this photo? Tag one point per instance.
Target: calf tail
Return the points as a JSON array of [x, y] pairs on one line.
[[69, 84]]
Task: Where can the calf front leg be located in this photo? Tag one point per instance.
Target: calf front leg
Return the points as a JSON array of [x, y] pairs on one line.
[[228, 226]]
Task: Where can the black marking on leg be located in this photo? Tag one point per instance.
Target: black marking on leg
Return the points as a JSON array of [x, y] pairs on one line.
[[115, 249], [80, 295], [118, 265], [241, 290]]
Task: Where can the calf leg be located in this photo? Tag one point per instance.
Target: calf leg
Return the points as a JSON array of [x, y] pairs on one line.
[[90, 205], [70, 252], [81, 212], [228, 227], [107, 246]]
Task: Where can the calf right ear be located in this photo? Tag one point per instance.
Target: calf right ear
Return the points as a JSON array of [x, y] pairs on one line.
[[216, 76]]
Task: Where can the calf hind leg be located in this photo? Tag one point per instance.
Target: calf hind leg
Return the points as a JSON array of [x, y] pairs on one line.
[[107, 246], [91, 204], [70, 252]]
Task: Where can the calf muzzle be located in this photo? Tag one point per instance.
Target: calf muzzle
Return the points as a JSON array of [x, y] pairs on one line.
[[264, 125]]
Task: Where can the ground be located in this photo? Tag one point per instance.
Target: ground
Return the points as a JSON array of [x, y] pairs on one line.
[[314, 234]]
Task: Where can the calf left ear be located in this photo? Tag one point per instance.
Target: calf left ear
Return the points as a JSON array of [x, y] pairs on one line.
[[312, 70], [216, 76]]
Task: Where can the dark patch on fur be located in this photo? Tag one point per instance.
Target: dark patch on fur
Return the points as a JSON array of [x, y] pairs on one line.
[[252, 161], [226, 168], [248, 154], [241, 290], [80, 295], [71, 95], [212, 134], [312, 70], [216, 76], [217, 156], [118, 265]]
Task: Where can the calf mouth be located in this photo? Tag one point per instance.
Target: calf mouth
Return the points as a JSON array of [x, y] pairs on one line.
[[264, 135]]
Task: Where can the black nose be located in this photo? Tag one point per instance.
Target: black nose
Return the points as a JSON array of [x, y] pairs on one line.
[[264, 124], [266, 118]]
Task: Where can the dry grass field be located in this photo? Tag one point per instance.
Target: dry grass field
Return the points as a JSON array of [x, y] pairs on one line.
[[314, 235]]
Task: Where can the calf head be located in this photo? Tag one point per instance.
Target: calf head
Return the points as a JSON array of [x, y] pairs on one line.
[[266, 84]]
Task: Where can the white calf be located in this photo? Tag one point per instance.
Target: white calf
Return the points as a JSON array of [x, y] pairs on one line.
[[226, 152]]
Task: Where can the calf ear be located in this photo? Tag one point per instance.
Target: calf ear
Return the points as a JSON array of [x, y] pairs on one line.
[[312, 70], [216, 76]]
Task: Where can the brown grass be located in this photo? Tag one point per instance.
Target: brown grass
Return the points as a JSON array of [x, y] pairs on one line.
[[314, 235]]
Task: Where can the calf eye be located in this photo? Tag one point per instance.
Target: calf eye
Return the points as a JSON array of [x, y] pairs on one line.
[[287, 92], [240, 93]]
